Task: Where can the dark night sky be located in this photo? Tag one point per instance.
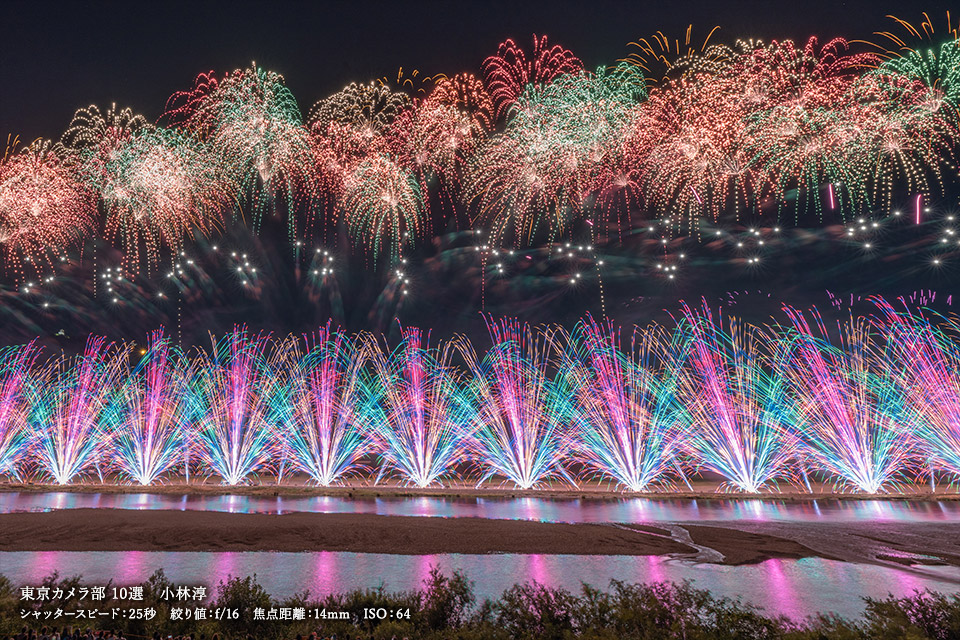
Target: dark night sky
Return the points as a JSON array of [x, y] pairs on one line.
[[57, 56]]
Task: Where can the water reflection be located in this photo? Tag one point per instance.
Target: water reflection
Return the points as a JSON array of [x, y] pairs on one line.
[[631, 510], [791, 587]]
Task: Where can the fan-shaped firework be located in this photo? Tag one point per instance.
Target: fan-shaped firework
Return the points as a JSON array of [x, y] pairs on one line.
[[236, 393], [512, 70], [742, 422], [324, 426], [426, 419], [16, 364], [521, 414], [929, 362], [68, 416], [850, 407], [871, 410], [43, 205], [629, 425], [151, 413]]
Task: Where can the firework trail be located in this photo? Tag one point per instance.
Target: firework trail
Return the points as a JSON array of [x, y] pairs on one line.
[[324, 421], [236, 393], [741, 420], [16, 365], [629, 425], [425, 417], [522, 415], [68, 414], [656, 56], [851, 411], [150, 413]]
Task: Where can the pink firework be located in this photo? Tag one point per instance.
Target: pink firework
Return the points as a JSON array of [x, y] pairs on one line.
[[69, 416], [44, 206], [15, 379], [507, 74]]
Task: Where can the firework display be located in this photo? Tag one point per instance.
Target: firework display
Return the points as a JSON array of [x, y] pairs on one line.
[[532, 146], [868, 405], [518, 183]]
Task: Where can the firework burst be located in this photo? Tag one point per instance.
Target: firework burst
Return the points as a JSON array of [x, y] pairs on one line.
[[512, 70], [157, 186], [252, 123], [44, 205]]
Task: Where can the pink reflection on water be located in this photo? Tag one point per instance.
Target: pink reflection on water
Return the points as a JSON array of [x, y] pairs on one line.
[[654, 569], [223, 567], [423, 506], [326, 572], [424, 565], [132, 569], [529, 509], [781, 589], [43, 564], [538, 570]]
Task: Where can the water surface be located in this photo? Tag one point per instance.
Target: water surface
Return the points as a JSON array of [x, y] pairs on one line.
[[796, 588], [628, 510]]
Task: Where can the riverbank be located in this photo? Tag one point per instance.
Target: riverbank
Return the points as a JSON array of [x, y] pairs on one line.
[[161, 530], [298, 487]]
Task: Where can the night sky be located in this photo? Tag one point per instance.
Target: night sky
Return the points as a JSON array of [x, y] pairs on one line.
[[58, 56]]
